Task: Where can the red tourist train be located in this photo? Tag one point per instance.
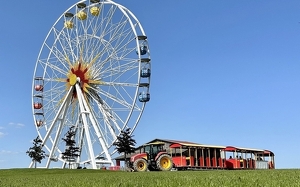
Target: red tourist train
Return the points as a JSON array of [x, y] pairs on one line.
[[193, 156]]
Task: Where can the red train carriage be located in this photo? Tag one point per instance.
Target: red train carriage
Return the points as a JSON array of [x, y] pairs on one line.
[[193, 156], [248, 158]]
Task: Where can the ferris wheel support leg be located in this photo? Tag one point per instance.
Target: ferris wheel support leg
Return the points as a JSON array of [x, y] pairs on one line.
[[60, 119], [81, 137], [54, 144], [64, 165], [31, 164], [98, 133], [102, 142], [80, 143], [84, 115], [58, 114]]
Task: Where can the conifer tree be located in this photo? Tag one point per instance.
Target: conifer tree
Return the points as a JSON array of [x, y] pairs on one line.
[[71, 151], [125, 143], [36, 153]]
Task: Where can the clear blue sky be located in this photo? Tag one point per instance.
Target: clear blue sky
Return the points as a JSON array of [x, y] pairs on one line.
[[223, 72]]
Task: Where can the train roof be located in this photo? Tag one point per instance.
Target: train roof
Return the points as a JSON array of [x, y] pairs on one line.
[[261, 152], [191, 145], [178, 143]]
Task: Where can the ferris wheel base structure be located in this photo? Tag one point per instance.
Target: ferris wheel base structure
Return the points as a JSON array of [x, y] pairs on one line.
[[92, 76]]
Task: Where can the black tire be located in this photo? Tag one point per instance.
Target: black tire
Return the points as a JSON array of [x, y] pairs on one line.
[[164, 162], [140, 165]]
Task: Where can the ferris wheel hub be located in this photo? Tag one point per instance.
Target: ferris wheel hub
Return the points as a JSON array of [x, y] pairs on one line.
[[73, 79]]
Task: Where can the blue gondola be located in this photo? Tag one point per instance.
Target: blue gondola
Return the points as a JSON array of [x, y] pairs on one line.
[[145, 72], [143, 49], [144, 97]]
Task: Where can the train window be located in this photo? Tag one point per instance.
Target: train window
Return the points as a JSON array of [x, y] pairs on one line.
[[147, 149]]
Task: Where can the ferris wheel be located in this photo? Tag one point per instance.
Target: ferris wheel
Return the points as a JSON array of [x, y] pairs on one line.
[[93, 75]]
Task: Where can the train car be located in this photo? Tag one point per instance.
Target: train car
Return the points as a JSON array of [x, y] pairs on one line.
[[248, 158], [197, 156]]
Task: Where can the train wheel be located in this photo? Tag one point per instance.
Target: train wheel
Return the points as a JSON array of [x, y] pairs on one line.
[[164, 163], [140, 165]]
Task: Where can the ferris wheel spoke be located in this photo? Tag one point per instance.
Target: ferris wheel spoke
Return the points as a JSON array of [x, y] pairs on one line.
[[54, 99], [116, 87], [98, 131], [112, 116], [124, 50], [112, 57], [51, 106], [55, 94], [109, 18], [83, 28], [54, 67], [98, 68], [116, 74], [95, 25], [66, 36], [119, 84], [117, 32], [118, 70], [107, 113], [61, 38], [107, 118], [121, 54], [120, 34], [59, 52], [119, 40], [63, 56], [90, 24], [124, 89], [69, 47], [122, 102]]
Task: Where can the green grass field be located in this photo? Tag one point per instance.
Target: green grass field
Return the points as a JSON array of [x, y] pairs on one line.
[[66, 177]]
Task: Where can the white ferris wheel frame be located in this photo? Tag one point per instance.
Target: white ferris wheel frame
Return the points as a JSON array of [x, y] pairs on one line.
[[87, 120]]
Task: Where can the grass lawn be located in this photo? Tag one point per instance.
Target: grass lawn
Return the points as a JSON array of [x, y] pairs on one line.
[[218, 178]]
